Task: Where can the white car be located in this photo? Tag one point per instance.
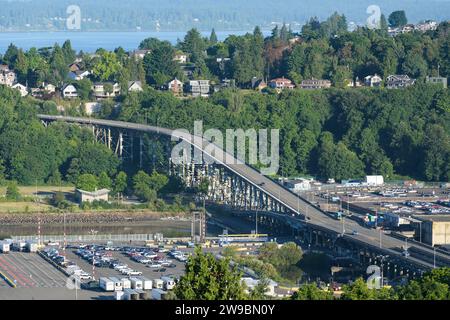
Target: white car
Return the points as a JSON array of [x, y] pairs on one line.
[[120, 267], [135, 273], [155, 265]]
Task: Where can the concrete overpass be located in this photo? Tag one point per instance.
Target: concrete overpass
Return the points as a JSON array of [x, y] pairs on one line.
[[300, 211]]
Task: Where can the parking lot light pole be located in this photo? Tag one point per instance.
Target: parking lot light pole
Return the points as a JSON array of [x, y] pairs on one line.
[[94, 233]]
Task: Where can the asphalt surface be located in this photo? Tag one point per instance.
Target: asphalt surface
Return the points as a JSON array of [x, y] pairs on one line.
[[290, 200], [29, 270]]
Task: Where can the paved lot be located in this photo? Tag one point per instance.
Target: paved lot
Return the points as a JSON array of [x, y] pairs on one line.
[[28, 270], [109, 272]]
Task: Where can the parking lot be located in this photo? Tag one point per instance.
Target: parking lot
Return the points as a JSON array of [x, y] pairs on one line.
[[150, 273], [29, 270]]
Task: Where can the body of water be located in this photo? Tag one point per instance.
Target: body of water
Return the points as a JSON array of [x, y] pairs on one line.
[[91, 41]]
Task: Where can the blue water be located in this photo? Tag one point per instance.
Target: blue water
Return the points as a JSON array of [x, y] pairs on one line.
[[91, 41]]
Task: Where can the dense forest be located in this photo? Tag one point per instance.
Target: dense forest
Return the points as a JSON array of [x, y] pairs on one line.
[[336, 133], [180, 15]]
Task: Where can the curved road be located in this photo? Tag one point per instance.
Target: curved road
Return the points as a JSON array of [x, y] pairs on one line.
[[420, 255]]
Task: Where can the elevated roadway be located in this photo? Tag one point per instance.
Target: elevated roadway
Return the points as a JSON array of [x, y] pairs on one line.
[[420, 255]]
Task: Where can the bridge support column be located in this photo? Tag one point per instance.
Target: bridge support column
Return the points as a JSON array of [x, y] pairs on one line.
[[141, 152]]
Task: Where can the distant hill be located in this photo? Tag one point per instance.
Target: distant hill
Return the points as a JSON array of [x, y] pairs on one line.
[[179, 15]]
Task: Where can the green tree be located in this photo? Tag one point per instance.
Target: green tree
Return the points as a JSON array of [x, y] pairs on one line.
[[312, 292], [207, 278], [84, 88], [213, 37], [142, 187], [87, 182], [160, 66], [12, 191], [398, 19], [106, 66], [120, 183], [104, 181]]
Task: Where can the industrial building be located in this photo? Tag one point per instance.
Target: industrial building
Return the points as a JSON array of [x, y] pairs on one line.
[[98, 195], [435, 229]]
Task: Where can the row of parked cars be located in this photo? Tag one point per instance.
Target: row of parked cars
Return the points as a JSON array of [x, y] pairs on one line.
[[149, 257], [71, 267], [178, 255], [102, 257]]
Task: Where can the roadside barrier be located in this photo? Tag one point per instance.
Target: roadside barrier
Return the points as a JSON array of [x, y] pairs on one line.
[[8, 280], [53, 263]]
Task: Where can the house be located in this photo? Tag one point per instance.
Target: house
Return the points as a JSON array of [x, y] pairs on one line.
[[298, 185], [180, 57], [100, 92], [281, 83], [98, 195], [78, 75], [69, 92], [134, 86], [399, 81], [199, 88], [49, 88], [258, 84], [438, 80], [315, 84], [74, 67], [7, 76], [393, 32], [140, 54], [23, 89], [224, 83], [408, 28], [373, 81], [354, 83], [176, 86], [428, 25]]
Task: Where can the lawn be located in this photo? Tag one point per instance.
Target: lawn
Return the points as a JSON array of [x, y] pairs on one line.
[[31, 190], [23, 207]]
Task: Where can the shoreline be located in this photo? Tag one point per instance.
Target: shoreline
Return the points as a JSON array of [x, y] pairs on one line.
[[90, 217]]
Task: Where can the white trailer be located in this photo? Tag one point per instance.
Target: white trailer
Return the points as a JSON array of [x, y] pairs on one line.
[[4, 247], [146, 283], [143, 295], [158, 294], [118, 286], [130, 294], [32, 246], [136, 283], [119, 295], [126, 283], [107, 284], [158, 284], [374, 180], [168, 283]]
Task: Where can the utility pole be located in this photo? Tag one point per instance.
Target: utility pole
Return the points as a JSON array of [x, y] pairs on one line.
[[434, 257]]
